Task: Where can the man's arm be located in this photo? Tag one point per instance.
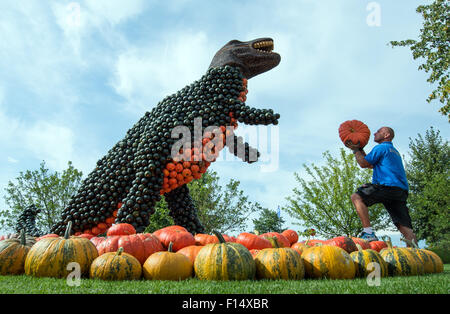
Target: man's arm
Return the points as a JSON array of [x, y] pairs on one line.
[[359, 155], [362, 162]]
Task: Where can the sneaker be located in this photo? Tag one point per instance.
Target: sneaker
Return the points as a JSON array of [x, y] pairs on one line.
[[369, 237]]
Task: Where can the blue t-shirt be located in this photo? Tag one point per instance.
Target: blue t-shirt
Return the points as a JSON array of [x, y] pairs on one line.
[[387, 166]]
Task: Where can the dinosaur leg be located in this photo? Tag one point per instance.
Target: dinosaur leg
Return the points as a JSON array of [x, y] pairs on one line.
[[182, 209]]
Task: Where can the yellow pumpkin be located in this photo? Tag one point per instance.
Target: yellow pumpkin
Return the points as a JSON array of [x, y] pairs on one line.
[[326, 261], [116, 266], [167, 265], [50, 257], [13, 253], [279, 263]]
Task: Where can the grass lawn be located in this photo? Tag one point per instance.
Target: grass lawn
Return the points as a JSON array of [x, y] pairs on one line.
[[426, 284]]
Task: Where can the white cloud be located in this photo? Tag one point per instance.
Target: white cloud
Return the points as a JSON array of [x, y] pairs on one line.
[[145, 75], [12, 160], [116, 11]]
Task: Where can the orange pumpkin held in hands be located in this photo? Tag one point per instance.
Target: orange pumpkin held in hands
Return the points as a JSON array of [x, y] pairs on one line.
[[354, 131]]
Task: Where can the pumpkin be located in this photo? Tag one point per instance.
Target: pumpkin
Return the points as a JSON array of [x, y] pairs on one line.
[[224, 261], [313, 242], [432, 262], [279, 263], [167, 265], [179, 239], [253, 241], [13, 253], [86, 235], [299, 247], [364, 244], [97, 240], [254, 252], [50, 256], [354, 131], [363, 258], [327, 261], [121, 229], [291, 235], [140, 245], [281, 239], [343, 242], [29, 239], [174, 227], [191, 252], [50, 235], [401, 262], [116, 266], [377, 245], [438, 265], [203, 239], [229, 238]]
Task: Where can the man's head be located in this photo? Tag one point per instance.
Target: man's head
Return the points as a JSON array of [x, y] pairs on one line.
[[384, 134], [251, 57]]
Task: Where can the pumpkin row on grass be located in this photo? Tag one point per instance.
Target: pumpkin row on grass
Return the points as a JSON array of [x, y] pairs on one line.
[[143, 246]]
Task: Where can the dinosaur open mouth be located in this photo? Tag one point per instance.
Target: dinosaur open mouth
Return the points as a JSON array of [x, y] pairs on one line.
[[264, 46]]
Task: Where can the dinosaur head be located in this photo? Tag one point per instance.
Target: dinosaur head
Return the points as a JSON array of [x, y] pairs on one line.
[[251, 57]]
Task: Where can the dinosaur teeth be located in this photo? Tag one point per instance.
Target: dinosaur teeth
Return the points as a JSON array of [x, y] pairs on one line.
[[264, 46]]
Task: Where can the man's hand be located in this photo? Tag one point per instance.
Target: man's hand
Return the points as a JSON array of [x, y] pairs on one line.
[[355, 147]]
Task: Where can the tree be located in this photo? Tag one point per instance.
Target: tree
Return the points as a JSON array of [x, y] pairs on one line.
[[225, 209], [433, 47], [428, 173], [324, 203], [49, 191], [268, 221], [160, 217]]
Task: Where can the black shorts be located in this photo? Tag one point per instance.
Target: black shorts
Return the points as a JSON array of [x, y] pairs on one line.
[[393, 198]]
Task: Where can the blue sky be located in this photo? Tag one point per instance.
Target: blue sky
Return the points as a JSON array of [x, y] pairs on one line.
[[76, 75]]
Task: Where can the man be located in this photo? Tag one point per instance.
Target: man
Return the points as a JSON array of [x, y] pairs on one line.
[[389, 185]]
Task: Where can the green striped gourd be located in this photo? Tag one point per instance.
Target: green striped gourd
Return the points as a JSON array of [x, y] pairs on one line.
[[431, 261], [326, 261], [363, 258], [13, 253], [224, 261], [116, 266], [50, 257], [279, 263], [401, 261]]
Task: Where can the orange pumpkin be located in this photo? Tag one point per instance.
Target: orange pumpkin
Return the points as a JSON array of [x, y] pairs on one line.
[[291, 235], [190, 252], [354, 131]]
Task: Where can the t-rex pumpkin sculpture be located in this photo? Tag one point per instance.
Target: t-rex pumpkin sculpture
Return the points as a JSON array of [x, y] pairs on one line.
[[129, 180]]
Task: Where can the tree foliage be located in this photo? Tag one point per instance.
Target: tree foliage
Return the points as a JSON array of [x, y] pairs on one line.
[[221, 208], [323, 202], [428, 173], [160, 217], [268, 221], [433, 47], [49, 191]]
